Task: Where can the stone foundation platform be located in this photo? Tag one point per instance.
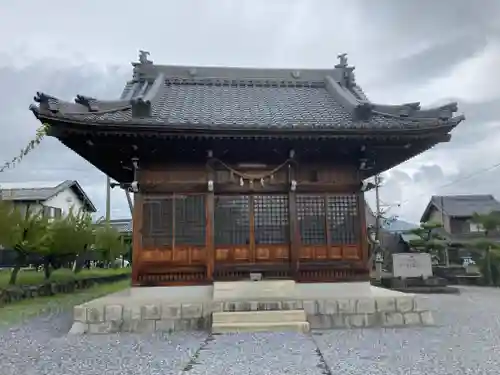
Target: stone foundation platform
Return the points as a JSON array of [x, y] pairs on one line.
[[326, 306]]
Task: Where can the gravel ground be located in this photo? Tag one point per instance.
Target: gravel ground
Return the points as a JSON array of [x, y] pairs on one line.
[[466, 341], [256, 354], [42, 347]]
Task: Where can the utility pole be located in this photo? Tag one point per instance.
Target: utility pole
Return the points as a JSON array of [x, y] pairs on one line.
[[379, 212], [108, 199], [446, 255], [130, 204], [378, 250]]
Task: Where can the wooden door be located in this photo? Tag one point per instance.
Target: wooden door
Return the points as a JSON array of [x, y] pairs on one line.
[[173, 240], [271, 229], [251, 232], [329, 227]]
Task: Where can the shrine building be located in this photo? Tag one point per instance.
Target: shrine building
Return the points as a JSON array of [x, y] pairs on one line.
[[244, 170]]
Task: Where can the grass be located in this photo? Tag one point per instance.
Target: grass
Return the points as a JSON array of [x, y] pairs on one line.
[[31, 277], [17, 312]]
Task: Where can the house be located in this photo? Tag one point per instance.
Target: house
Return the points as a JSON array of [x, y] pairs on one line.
[[124, 226], [54, 199], [455, 212]]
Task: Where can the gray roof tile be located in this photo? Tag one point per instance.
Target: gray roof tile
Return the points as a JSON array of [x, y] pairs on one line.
[[246, 98], [463, 205], [251, 106], [44, 193], [122, 225]]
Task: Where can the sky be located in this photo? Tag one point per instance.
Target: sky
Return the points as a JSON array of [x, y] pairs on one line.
[[404, 51]]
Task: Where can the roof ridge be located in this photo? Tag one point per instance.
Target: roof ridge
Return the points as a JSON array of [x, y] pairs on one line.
[[330, 100], [464, 196]]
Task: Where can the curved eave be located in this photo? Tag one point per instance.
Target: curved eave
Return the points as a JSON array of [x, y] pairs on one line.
[[425, 129], [413, 111]]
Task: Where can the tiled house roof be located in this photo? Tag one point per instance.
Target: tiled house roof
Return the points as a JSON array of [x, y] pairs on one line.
[[462, 205], [43, 193], [122, 225]]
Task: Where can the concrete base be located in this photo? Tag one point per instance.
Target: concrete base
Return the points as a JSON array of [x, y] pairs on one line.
[[325, 305]]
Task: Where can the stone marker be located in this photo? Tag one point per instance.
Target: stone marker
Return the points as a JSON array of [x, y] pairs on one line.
[[407, 265]]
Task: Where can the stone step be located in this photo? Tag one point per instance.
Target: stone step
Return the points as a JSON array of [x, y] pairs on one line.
[[254, 290], [259, 316], [302, 327]]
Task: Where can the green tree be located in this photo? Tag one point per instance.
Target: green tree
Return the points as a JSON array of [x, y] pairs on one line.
[[488, 248], [24, 232], [430, 240], [108, 241], [70, 238]]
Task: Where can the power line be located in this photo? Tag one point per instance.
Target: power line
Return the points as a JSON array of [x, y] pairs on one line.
[[461, 179]]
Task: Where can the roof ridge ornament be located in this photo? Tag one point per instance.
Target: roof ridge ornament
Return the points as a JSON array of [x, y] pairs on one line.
[[47, 102], [87, 101], [143, 57], [143, 61], [347, 72], [342, 61]]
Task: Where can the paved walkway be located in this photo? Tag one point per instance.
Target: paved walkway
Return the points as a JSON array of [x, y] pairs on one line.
[[467, 341]]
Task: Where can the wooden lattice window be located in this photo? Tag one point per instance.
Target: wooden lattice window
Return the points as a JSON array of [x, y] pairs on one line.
[[312, 219], [190, 220], [343, 219], [328, 219], [271, 219], [174, 220], [232, 220]]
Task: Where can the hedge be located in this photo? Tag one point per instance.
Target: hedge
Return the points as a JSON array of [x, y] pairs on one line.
[[18, 293]]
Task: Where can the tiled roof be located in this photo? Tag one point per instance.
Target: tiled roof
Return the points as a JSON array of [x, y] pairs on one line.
[[462, 205], [44, 193], [208, 97], [122, 225]]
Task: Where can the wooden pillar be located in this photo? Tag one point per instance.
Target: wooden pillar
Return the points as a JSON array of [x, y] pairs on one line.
[[293, 224], [137, 219], [210, 210]]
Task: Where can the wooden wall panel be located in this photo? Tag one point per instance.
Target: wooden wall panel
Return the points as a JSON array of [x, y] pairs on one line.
[[272, 253], [326, 174], [181, 255], [232, 254], [351, 252], [335, 252], [223, 176], [173, 173]]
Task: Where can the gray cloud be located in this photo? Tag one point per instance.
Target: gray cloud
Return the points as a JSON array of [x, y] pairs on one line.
[[436, 59], [404, 22], [52, 161]]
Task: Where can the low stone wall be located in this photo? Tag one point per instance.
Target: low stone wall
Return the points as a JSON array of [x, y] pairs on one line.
[[370, 312], [104, 318], [17, 293], [141, 319], [346, 312]]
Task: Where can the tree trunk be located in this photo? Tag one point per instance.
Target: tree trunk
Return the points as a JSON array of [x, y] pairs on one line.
[[46, 269], [78, 264], [488, 266], [13, 275]]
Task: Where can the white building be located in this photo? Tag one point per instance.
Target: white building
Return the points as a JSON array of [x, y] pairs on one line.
[[54, 199]]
